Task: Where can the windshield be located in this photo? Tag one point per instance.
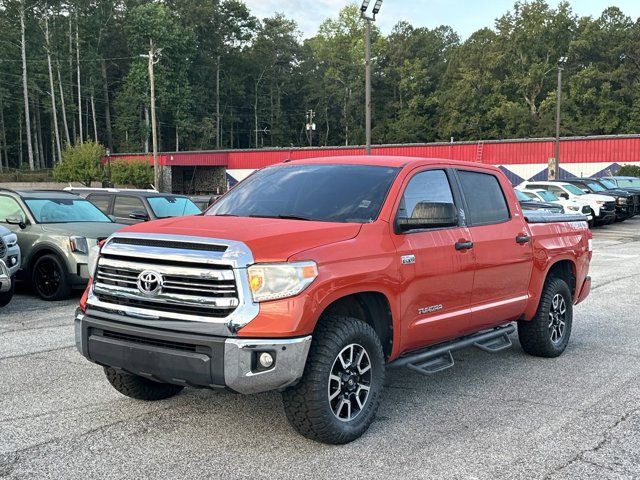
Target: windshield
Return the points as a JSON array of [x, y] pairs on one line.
[[596, 187], [573, 190], [628, 182], [547, 196], [324, 193], [65, 211], [522, 197], [608, 183], [165, 207]]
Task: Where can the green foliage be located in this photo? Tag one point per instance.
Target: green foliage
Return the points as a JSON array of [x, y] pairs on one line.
[[80, 163], [138, 173], [629, 171]]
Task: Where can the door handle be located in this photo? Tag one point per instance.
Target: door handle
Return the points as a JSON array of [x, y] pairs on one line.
[[464, 246], [521, 239]]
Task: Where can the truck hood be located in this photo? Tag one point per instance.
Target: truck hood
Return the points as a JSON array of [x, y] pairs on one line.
[[594, 197], [93, 230], [270, 240]]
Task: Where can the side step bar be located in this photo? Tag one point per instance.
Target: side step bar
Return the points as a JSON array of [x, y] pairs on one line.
[[438, 358]]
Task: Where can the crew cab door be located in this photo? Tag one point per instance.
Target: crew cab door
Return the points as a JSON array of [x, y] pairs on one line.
[[437, 278], [502, 247]]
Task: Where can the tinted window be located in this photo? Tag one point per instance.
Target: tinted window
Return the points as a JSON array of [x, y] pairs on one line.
[[64, 210], [321, 192], [485, 199], [125, 206], [431, 186], [9, 208], [572, 189], [595, 187], [548, 196], [164, 207], [100, 201], [607, 183], [525, 196]]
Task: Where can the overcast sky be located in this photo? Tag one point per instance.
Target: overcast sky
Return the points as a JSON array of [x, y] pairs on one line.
[[465, 16]]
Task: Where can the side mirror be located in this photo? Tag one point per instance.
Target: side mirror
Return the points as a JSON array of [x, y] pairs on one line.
[[429, 215], [139, 215], [586, 190], [17, 221], [564, 195]]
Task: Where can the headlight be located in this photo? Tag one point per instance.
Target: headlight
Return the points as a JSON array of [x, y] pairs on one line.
[[280, 280], [10, 240], [573, 208], [622, 201], [79, 245], [94, 254]]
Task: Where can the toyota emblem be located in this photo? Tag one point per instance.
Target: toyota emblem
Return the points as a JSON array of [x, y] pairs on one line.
[[149, 282]]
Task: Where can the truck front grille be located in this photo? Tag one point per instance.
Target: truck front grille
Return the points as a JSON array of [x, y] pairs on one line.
[[203, 290], [609, 206]]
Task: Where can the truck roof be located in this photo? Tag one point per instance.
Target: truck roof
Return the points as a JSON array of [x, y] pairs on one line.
[[386, 161]]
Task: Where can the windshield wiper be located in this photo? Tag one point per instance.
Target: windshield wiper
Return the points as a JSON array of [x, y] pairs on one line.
[[283, 217]]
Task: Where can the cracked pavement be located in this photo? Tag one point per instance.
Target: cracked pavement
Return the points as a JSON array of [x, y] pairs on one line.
[[505, 415]]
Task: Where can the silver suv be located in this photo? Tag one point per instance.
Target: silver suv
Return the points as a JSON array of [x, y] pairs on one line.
[[9, 264]]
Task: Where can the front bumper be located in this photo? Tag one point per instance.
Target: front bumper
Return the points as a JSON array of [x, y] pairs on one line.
[[191, 359], [5, 278]]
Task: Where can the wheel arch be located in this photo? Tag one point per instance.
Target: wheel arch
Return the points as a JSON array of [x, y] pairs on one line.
[[40, 251], [373, 308], [564, 268]]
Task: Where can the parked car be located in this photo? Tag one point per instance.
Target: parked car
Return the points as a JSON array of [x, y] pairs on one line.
[[204, 201], [312, 277], [625, 201], [626, 183], [129, 207], [610, 185], [9, 263], [532, 203], [570, 207], [603, 207], [55, 231]]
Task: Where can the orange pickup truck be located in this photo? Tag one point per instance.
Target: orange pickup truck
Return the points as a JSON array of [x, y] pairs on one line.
[[314, 277]]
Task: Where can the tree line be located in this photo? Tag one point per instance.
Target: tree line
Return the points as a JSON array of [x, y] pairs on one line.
[[77, 71]]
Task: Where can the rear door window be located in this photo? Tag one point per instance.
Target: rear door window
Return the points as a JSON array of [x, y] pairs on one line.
[[485, 200]]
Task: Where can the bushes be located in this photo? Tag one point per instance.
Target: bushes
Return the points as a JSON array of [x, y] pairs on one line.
[[132, 172], [80, 163], [629, 171], [37, 176]]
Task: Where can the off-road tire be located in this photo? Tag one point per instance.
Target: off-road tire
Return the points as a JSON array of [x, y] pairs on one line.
[[307, 404], [63, 289], [6, 297], [534, 335], [140, 388]]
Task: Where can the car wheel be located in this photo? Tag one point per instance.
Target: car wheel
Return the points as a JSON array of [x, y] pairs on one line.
[[548, 333], [336, 400], [6, 297], [140, 388], [49, 278]]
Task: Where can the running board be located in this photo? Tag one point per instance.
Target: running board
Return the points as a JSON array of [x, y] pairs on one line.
[[438, 358]]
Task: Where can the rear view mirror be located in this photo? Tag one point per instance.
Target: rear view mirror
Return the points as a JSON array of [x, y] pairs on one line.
[[17, 221], [430, 215], [139, 215]]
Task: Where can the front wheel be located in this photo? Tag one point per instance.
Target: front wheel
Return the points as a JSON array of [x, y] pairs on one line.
[[336, 400], [49, 277], [547, 334], [6, 297]]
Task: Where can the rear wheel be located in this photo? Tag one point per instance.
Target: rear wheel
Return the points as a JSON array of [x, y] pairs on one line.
[[548, 333], [140, 388], [49, 277], [337, 398]]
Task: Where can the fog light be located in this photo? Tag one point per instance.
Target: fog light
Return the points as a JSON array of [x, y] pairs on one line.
[[13, 261], [266, 360]]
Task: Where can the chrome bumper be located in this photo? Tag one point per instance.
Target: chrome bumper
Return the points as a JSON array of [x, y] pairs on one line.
[[5, 278], [191, 359]]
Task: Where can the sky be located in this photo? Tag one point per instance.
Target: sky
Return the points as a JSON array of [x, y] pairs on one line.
[[465, 16]]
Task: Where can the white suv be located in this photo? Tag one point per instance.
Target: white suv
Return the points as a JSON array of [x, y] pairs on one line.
[[603, 207], [570, 206]]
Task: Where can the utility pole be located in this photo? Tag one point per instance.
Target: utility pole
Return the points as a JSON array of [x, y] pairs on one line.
[[54, 110], [367, 64], [25, 90], [154, 57], [556, 159], [311, 127]]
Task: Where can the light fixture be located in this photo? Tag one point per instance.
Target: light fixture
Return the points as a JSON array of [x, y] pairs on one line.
[[365, 6], [376, 7]]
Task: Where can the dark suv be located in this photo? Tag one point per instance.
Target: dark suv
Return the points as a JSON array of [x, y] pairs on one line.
[[134, 206], [625, 201]]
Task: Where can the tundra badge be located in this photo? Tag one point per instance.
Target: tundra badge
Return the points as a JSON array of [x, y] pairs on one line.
[[408, 259]]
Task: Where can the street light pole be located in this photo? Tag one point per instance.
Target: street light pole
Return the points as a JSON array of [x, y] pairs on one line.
[[367, 64], [556, 159], [154, 57]]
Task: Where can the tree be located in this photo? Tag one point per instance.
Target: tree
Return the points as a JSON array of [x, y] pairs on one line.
[[80, 163], [137, 173]]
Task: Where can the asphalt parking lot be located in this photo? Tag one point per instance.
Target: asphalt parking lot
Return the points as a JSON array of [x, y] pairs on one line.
[[506, 415]]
